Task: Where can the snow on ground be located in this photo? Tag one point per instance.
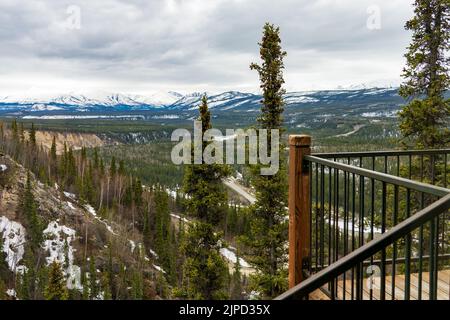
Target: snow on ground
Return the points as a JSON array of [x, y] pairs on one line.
[[132, 245], [158, 268], [13, 234], [70, 195], [92, 211], [254, 295], [153, 253], [349, 226], [179, 218], [231, 256], [57, 243], [171, 193], [67, 117], [3, 168], [12, 293], [70, 205]]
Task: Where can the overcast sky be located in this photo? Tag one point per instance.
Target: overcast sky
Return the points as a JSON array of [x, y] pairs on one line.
[[144, 46]]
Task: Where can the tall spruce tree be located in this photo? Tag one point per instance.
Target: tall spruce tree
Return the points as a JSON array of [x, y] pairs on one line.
[[207, 199], [268, 231], [53, 150], [56, 288], [32, 136], [29, 209], [163, 244], [425, 119], [205, 269]]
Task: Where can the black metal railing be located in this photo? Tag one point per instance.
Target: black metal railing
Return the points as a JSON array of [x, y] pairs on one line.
[[378, 226]]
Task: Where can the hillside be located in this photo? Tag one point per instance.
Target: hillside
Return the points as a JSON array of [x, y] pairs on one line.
[[72, 234]]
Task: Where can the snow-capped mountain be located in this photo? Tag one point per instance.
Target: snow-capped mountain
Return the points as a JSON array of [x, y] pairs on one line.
[[230, 100], [157, 99]]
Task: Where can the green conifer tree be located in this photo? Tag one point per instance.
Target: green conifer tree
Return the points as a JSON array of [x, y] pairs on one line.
[[268, 231], [206, 197], [32, 137], [205, 271], [425, 119], [29, 207], [56, 288], [93, 285], [53, 150]]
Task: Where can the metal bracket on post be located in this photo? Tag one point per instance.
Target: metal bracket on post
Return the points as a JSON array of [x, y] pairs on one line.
[[305, 165]]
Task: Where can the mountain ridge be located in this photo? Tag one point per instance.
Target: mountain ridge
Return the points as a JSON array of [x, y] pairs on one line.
[[171, 100]]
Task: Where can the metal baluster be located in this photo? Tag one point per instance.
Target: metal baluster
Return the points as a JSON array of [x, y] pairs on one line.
[[317, 217], [353, 230], [329, 217], [361, 228], [422, 205], [336, 226], [372, 213], [433, 254], [310, 170], [383, 252], [345, 230], [408, 246], [322, 212], [398, 166], [394, 253]]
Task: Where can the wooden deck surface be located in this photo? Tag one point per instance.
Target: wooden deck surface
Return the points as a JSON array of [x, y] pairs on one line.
[[443, 292]]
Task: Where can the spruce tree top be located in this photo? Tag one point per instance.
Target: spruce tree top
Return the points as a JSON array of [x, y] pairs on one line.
[[271, 77]]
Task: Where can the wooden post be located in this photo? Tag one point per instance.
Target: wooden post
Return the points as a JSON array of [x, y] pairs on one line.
[[299, 207]]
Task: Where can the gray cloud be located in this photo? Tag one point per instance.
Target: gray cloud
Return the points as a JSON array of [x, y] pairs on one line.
[[186, 45]]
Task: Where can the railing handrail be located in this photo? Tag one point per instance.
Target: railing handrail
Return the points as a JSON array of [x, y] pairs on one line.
[[366, 251], [389, 153], [399, 181]]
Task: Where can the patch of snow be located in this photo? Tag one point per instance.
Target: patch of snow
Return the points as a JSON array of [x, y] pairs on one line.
[[153, 253], [133, 245], [166, 116], [71, 206], [58, 244], [3, 168], [172, 193], [73, 117], [70, 195], [92, 211], [44, 107], [380, 114], [158, 268], [254, 295], [13, 243], [231, 256], [180, 218], [12, 293]]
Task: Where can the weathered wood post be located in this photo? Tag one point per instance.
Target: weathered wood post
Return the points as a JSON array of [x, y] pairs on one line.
[[299, 207]]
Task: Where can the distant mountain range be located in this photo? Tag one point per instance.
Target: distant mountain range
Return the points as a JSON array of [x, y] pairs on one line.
[[172, 101]]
